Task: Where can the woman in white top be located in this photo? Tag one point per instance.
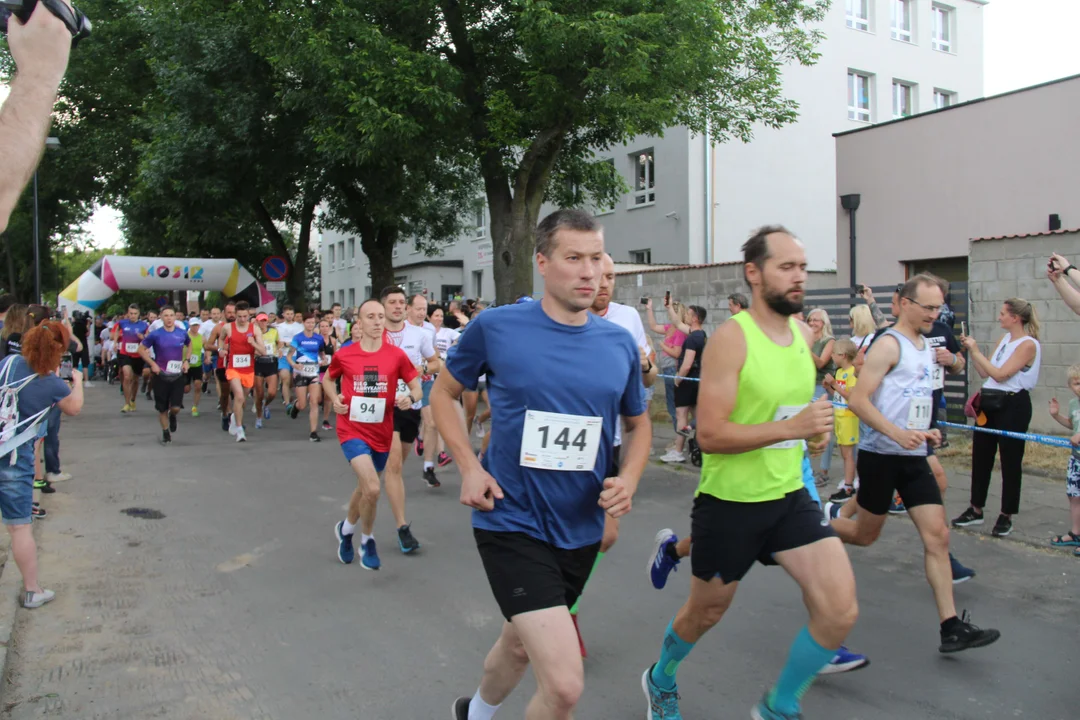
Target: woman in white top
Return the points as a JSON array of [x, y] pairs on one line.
[[1011, 372]]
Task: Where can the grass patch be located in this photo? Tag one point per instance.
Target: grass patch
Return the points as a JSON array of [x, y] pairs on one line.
[[1048, 458]]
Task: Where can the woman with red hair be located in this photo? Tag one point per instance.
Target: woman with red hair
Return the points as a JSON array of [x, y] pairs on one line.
[[42, 348]]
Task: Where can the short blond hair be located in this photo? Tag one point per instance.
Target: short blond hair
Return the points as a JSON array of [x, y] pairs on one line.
[[846, 348], [1073, 372]]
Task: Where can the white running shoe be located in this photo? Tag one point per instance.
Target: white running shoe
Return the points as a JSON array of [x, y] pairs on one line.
[[232, 424], [240, 436], [480, 430], [57, 477], [673, 457], [36, 599]]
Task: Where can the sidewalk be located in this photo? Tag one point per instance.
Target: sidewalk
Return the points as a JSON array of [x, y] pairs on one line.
[[1044, 509]]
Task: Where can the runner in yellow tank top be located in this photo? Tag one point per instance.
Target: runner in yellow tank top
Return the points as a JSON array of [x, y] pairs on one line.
[[754, 414], [266, 370]]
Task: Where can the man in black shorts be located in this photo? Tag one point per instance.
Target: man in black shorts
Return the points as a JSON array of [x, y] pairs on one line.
[[169, 367], [894, 400]]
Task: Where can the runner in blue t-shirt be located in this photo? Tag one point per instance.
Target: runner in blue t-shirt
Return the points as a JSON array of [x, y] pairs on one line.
[[541, 492], [304, 355], [169, 365]]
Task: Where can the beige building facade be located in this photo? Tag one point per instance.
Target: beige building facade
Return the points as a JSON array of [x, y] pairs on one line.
[[930, 183]]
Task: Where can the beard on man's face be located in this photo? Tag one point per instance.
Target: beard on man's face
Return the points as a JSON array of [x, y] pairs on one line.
[[779, 303]]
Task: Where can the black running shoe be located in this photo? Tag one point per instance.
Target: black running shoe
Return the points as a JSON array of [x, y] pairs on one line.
[[314, 437], [44, 486], [430, 479], [166, 437], [172, 422], [406, 542], [225, 423], [1002, 527], [968, 517], [964, 636], [37, 511], [842, 495], [461, 708]]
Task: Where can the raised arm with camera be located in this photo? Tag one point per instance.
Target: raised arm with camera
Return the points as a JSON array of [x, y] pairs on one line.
[[40, 48]]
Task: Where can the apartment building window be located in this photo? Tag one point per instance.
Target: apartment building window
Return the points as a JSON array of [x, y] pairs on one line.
[[642, 257], [944, 98], [477, 283], [480, 221], [858, 96], [943, 31], [341, 254], [352, 252], [367, 292], [858, 14], [644, 174], [901, 20], [903, 99], [608, 207], [352, 296], [394, 254], [330, 298], [331, 265]]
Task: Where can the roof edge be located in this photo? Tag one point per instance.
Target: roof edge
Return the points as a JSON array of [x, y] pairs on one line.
[[1016, 236]]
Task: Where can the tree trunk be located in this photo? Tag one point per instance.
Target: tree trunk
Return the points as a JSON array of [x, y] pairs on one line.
[[378, 244]]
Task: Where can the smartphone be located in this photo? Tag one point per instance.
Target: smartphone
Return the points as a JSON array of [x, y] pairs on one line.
[[667, 298], [1050, 264], [963, 328], [860, 289], [644, 301]]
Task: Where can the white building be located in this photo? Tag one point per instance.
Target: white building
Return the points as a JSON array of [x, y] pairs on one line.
[[880, 59]]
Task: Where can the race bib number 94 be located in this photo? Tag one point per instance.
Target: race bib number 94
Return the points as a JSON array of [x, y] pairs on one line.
[[367, 410], [565, 443]]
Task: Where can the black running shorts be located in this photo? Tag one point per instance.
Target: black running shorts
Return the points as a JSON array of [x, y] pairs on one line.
[[195, 374], [527, 574], [686, 393], [880, 475], [168, 391], [266, 368], [407, 424], [135, 363], [220, 374], [730, 536]]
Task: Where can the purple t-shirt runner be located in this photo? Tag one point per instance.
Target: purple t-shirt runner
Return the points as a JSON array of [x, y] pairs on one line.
[[168, 348]]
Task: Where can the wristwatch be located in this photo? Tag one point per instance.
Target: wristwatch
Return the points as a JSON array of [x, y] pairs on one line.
[[1071, 267]]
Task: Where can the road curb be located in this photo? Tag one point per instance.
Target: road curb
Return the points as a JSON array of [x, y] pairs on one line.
[[10, 581]]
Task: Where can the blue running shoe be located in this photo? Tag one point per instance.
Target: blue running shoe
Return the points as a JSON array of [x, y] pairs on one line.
[[762, 711], [406, 541], [959, 572], [897, 507], [661, 563], [832, 510], [369, 557], [844, 661], [266, 413], [345, 549], [663, 704]]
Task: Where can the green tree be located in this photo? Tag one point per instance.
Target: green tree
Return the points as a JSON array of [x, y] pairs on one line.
[[546, 83]]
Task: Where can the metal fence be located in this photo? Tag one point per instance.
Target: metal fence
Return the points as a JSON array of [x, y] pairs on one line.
[[838, 301]]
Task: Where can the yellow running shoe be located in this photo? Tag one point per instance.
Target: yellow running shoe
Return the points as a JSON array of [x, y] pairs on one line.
[[195, 411], [126, 408]]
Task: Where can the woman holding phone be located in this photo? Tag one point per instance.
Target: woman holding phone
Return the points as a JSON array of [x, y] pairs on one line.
[[670, 349], [1011, 372]]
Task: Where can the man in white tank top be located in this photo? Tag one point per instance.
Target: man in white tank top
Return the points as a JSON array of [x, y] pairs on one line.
[[894, 398]]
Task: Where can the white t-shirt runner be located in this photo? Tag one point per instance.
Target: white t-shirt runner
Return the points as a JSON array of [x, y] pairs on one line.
[[418, 344], [627, 318], [287, 331], [444, 340]]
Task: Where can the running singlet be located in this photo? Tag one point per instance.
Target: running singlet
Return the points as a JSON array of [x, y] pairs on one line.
[[195, 359], [775, 383], [241, 351], [307, 354], [129, 336], [905, 397], [168, 348], [418, 344], [270, 338], [552, 435], [369, 382]]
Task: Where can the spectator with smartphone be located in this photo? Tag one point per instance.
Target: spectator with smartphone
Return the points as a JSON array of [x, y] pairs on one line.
[[670, 350], [40, 48]]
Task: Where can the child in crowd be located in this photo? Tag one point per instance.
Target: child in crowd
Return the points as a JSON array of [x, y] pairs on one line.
[[1072, 486], [846, 424]]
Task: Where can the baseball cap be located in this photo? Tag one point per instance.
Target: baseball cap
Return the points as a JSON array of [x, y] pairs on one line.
[[194, 322], [262, 316]]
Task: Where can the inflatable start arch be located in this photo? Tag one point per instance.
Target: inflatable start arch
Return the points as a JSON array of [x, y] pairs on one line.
[[113, 273]]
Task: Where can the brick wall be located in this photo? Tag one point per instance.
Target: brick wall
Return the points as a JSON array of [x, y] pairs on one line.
[[704, 285], [1016, 267]]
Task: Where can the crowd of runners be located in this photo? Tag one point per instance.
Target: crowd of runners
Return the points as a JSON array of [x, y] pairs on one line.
[[560, 459]]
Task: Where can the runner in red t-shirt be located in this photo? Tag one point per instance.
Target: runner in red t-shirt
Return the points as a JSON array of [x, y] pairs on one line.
[[369, 369], [243, 340]]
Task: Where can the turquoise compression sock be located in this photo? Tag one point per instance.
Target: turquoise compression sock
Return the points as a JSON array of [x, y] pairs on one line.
[[804, 661], [673, 652]]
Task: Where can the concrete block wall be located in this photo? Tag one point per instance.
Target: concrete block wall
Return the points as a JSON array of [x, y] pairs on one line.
[[1016, 267], [704, 285]]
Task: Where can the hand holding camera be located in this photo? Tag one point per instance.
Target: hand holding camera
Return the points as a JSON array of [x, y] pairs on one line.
[[41, 41]]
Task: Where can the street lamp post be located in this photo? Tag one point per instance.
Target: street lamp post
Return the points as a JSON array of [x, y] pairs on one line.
[[51, 143]]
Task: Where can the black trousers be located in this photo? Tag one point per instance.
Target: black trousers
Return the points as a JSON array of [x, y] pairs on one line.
[[1015, 415]]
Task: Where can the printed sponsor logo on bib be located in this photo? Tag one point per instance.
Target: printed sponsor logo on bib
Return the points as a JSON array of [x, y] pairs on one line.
[[241, 361], [131, 348], [173, 367], [919, 411], [555, 441], [367, 410], [786, 412]]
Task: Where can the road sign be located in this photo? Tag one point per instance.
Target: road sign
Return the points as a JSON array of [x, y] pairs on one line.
[[275, 286], [275, 267], [162, 301]]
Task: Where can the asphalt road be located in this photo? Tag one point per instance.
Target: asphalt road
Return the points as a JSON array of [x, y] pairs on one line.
[[233, 605]]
